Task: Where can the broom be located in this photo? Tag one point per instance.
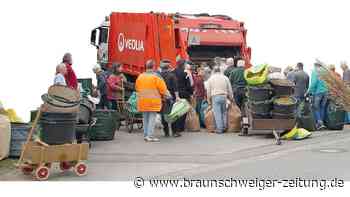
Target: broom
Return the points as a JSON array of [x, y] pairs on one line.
[[339, 92]]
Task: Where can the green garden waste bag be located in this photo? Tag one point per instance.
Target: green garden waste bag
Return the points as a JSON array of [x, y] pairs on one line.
[[256, 75], [296, 134], [179, 109]]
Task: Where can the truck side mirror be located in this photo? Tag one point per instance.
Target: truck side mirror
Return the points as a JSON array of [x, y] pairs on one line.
[[93, 37]]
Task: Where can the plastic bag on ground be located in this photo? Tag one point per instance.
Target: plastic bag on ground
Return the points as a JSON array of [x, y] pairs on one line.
[[209, 120], [192, 121], [5, 136], [296, 134], [233, 118]]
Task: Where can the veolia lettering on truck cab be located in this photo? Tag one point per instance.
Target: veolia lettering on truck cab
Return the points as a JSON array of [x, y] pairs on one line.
[[133, 38]]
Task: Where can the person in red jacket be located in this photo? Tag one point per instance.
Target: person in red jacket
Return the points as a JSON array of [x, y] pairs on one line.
[[71, 78], [115, 86]]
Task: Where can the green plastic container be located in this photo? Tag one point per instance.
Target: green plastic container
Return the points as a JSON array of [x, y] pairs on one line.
[[86, 84], [107, 123]]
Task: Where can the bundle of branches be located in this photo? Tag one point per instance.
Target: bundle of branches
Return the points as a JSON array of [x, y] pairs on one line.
[[339, 92]]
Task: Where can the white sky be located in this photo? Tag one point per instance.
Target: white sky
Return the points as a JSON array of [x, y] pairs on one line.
[[35, 35]]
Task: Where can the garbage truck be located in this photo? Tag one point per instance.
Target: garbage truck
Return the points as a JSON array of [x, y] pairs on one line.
[[133, 38]]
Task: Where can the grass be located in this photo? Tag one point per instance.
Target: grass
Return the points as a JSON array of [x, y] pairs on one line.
[[7, 165]]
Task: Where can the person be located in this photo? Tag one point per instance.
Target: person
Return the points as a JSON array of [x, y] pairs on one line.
[[219, 90], [346, 72], [71, 78], [318, 90], [171, 83], [114, 85], [150, 88], [301, 81], [331, 67], [101, 78], [289, 73], [185, 91], [199, 91], [188, 70], [61, 70], [238, 83], [230, 66]]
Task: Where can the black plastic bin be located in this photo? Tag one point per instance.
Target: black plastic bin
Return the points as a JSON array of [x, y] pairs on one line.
[[259, 93], [58, 128]]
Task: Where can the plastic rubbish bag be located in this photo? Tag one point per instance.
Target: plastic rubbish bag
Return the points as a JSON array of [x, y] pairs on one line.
[[257, 74], [296, 134], [179, 109]]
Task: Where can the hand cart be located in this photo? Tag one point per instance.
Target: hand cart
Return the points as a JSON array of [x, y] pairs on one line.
[[37, 156], [277, 126]]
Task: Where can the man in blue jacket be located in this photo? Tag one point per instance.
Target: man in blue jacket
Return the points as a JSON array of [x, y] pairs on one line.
[[319, 90]]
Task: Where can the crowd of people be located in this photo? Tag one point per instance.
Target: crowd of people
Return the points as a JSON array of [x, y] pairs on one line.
[[216, 83]]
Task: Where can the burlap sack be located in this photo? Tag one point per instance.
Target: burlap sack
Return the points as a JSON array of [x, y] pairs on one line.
[[209, 120], [234, 118], [5, 136], [192, 121]]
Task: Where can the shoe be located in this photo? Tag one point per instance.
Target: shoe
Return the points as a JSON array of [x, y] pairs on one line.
[[166, 135], [321, 127], [219, 132], [147, 139], [154, 139], [176, 135]]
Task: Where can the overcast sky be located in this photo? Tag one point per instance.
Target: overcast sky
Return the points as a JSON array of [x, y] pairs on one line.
[[35, 35]]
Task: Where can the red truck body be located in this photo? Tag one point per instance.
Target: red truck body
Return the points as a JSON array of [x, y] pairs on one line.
[[134, 38]]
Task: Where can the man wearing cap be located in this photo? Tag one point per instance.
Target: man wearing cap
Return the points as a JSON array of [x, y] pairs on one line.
[[151, 89], [171, 83], [238, 83], [318, 90], [101, 77]]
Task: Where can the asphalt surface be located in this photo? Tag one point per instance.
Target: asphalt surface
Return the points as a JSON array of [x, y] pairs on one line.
[[325, 155]]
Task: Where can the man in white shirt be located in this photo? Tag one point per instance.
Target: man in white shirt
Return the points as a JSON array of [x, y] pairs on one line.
[[218, 91], [61, 70]]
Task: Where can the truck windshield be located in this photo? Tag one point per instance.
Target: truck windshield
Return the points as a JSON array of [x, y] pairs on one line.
[[207, 52], [103, 38]]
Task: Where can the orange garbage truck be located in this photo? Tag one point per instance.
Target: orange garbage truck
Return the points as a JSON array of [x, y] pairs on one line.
[[133, 38]]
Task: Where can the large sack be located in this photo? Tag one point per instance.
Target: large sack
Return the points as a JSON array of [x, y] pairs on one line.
[[233, 118], [5, 136], [204, 106], [192, 121], [296, 134], [256, 75], [209, 120]]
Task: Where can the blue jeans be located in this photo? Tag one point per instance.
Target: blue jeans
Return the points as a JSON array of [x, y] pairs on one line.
[[149, 119], [220, 112], [319, 106]]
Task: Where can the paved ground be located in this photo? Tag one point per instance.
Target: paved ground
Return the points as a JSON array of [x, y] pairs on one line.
[[324, 155]]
